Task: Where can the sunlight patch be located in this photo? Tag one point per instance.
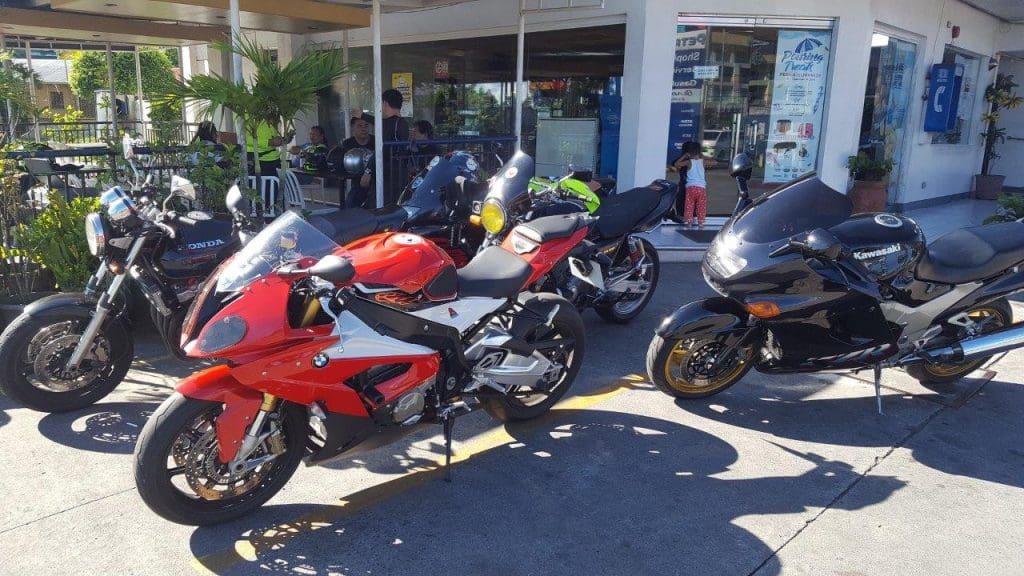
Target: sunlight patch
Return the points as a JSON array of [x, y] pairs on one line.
[[718, 408]]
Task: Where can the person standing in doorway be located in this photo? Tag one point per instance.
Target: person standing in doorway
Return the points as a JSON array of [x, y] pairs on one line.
[[355, 188], [694, 162]]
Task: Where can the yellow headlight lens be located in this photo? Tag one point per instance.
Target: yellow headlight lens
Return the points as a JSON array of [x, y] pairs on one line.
[[492, 216]]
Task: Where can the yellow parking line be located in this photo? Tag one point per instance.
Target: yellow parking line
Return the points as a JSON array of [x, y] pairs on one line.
[[246, 550]]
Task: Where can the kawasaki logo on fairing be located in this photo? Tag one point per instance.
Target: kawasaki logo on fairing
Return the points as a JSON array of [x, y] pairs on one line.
[[876, 253], [207, 244]]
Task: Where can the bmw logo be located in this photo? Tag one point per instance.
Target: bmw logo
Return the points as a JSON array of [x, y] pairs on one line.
[[320, 360]]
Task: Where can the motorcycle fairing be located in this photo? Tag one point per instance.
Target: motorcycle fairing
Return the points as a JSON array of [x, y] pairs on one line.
[[217, 384]]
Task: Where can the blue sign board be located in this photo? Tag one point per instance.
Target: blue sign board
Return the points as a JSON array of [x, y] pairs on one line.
[[943, 97]]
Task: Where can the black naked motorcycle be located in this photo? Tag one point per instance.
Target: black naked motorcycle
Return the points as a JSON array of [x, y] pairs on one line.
[[69, 350], [807, 287], [615, 271]]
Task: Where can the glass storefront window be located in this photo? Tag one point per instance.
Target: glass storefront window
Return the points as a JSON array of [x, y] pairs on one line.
[[758, 90]]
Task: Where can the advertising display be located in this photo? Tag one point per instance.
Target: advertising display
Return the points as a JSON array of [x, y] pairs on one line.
[[797, 108], [402, 81], [687, 89]]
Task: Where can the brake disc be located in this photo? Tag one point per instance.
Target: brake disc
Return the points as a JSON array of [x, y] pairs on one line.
[[208, 477], [51, 358]]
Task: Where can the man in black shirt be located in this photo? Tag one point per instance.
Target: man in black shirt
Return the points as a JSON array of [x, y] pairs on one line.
[[396, 129], [359, 186]]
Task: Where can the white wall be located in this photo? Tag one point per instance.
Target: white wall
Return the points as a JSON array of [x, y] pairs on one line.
[[930, 170], [1011, 163]]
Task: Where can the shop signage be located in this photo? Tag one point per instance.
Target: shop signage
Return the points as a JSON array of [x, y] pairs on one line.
[[943, 97], [687, 89], [402, 81], [798, 98], [441, 69], [706, 72]]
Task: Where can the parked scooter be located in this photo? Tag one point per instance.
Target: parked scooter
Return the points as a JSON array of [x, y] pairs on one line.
[[807, 287], [616, 270], [69, 350], [331, 350]]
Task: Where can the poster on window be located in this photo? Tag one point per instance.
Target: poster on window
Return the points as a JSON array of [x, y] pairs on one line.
[[798, 102], [402, 81], [687, 89]]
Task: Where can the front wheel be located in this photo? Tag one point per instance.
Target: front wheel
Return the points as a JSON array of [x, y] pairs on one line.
[[179, 474], [33, 363], [646, 268], [695, 368], [562, 342]]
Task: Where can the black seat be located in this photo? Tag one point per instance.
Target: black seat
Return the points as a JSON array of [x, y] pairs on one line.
[[973, 253], [619, 213], [344, 226], [550, 228], [494, 273]]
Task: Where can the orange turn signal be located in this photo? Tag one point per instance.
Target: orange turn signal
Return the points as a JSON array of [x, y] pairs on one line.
[[763, 310], [474, 219]]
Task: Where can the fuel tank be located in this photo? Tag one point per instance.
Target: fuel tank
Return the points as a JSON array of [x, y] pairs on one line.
[[409, 262], [886, 244], [197, 249]]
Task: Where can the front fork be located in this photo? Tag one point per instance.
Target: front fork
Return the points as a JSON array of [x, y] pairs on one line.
[[103, 306], [254, 436]]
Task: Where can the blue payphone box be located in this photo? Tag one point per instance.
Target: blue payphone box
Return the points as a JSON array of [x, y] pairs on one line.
[[943, 97]]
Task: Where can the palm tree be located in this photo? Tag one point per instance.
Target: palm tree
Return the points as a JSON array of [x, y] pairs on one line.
[[14, 89], [275, 94]]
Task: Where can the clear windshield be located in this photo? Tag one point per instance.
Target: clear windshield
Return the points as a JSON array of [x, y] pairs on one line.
[[428, 188], [512, 183], [287, 239], [801, 206]]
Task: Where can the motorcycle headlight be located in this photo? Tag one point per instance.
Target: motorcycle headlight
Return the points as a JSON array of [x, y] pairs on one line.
[[222, 334], [121, 209], [96, 234], [493, 217]]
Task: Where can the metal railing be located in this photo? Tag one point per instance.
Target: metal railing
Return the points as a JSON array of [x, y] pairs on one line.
[[90, 132]]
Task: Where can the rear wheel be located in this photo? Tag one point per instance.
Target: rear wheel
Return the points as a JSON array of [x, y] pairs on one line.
[[34, 353], [695, 368], [646, 267], [992, 316], [179, 474], [562, 342]]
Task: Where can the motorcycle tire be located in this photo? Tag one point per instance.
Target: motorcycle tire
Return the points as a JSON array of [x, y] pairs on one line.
[[661, 360], [946, 373], [568, 323], [622, 315], [158, 439], [16, 366]]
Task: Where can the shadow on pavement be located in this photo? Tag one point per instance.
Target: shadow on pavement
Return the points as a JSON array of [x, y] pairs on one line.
[[109, 427], [586, 492], [977, 445]]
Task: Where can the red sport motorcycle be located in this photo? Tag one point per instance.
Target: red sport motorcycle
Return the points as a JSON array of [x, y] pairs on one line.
[[330, 351]]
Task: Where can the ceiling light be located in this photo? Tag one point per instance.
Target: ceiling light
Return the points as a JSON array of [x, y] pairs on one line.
[[879, 40]]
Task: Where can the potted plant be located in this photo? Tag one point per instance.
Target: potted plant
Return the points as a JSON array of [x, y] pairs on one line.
[[1000, 95], [870, 191], [55, 239]]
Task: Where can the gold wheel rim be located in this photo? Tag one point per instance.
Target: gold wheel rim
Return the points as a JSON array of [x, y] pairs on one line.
[[679, 357], [946, 370]]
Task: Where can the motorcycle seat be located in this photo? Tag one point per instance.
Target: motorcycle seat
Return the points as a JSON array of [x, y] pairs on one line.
[[344, 226], [550, 228], [973, 254], [493, 273], [619, 213]]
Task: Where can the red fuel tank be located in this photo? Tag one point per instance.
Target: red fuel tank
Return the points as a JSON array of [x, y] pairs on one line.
[[405, 261]]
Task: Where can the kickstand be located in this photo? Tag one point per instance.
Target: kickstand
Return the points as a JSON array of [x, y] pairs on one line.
[[878, 387], [449, 423]]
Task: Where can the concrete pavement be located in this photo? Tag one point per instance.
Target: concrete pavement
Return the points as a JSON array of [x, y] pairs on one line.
[[780, 475]]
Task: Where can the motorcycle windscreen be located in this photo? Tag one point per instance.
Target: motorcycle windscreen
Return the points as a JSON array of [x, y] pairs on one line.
[[511, 185], [428, 191], [287, 239], [800, 206]]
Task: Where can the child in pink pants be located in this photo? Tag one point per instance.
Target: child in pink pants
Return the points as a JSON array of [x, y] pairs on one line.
[[693, 161]]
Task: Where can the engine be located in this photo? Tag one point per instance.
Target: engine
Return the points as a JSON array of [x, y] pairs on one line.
[[886, 244]]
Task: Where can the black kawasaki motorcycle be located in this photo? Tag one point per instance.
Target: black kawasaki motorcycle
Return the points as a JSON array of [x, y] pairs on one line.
[[69, 350], [615, 270], [807, 287]]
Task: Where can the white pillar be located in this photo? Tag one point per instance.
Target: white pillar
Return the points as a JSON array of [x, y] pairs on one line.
[[346, 104], [236, 71], [140, 111], [378, 108], [32, 88], [520, 85], [113, 95]]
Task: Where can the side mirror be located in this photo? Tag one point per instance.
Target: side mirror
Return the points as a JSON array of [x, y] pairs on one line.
[[334, 269], [182, 187], [823, 242], [742, 167], [236, 202]]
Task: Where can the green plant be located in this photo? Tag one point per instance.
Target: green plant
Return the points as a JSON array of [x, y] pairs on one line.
[[1000, 95], [18, 274], [865, 168], [14, 88], [213, 174], [69, 115], [1011, 207], [56, 239]]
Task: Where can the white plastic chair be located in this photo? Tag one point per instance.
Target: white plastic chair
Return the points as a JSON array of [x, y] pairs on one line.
[[293, 198], [268, 192]]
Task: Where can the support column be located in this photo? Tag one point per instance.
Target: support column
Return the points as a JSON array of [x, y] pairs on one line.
[[520, 87], [346, 104], [236, 72], [113, 95], [378, 108], [32, 89], [140, 110]]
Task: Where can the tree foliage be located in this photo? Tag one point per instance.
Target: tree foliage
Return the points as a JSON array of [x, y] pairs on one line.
[[89, 72]]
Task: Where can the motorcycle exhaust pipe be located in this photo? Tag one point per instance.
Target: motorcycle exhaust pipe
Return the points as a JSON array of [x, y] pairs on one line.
[[1002, 340]]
